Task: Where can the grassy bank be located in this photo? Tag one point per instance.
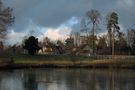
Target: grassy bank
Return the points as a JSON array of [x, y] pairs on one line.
[[21, 60]]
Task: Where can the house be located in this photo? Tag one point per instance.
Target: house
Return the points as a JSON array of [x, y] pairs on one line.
[[51, 50], [48, 50], [84, 50]]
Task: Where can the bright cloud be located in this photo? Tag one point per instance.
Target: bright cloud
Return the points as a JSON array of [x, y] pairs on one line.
[[61, 33], [15, 37], [52, 33]]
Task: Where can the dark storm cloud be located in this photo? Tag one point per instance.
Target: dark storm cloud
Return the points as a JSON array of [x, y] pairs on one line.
[[47, 12], [52, 13]]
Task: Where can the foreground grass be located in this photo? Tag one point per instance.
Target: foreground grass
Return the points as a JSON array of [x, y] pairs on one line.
[[65, 61]]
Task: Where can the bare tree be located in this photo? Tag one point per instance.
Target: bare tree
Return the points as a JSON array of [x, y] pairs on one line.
[[131, 36], [76, 37], [6, 19], [84, 29], [131, 40], [94, 17]]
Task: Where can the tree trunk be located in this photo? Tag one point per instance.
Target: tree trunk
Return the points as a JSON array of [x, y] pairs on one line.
[[113, 40], [93, 39]]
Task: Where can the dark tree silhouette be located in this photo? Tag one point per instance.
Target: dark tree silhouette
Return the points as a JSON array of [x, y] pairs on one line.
[[31, 44]]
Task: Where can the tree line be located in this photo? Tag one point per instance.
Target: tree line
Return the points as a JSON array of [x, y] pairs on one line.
[[114, 42]]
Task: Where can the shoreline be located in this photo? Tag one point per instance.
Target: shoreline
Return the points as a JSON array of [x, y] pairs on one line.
[[88, 64], [68, 61]]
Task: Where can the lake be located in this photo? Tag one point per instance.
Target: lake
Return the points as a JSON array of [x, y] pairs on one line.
[[67, 79]]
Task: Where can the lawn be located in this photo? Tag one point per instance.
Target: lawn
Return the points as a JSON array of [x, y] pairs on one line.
[[65, 61]]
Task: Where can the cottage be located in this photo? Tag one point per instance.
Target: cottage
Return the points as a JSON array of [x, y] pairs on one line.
[[84, 50], [51, 50], [46, 50]]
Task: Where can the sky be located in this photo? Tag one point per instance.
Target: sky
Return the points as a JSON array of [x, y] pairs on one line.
[[57, 18]]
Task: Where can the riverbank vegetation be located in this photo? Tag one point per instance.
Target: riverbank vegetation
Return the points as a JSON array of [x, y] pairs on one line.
[[66, 61]]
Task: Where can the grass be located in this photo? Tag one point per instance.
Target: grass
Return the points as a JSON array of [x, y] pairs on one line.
[[65, 60]]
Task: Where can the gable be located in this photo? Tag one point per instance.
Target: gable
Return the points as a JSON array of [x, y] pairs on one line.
[[87, 48]]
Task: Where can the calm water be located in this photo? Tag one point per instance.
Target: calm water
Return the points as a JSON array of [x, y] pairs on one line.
[[67, 79]]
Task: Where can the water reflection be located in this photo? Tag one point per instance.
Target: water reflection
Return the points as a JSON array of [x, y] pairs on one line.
[[67, 79], [30, 82], [10, 81]]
